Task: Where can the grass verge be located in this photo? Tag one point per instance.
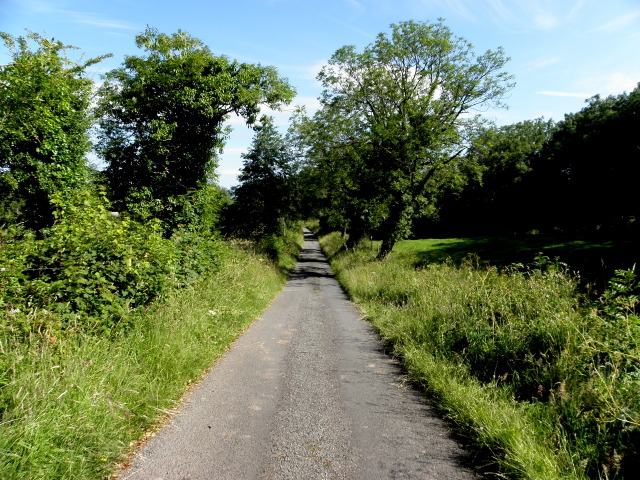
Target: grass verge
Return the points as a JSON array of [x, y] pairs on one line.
[[75, 404], [543, 379]]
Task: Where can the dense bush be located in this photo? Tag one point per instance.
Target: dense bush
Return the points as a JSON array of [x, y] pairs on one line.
[[94, 266], [44, 127], [283, 249]]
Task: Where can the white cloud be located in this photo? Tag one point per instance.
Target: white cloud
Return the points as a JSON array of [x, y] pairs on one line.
[[229, 166], [357, 5], [544, 13], [619, 23], [234, 119], [33, 6], [235, 151], [227, 178], [311, 104], [229, 171], [311, 72], [611, 84], [545, 20], [547, 62], [74, 16], [97, 20], [576, 8], [502, 14], [527, 14]]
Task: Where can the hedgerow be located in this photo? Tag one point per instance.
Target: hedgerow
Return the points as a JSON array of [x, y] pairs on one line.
[[93, 267]]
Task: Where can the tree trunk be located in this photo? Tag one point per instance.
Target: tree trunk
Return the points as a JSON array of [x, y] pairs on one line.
[[386, 247], [357, 231], [398, 227], [355, 237]]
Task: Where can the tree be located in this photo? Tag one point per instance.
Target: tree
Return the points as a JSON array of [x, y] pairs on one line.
[[44, 123], [499, 166], [410, 95], [337, 173], [590, 168], [163, 116], [267, 189]]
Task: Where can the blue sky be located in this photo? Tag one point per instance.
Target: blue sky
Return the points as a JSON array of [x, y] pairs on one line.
[[562, 51]]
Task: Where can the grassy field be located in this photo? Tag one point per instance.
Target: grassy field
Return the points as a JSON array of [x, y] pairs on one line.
[[542, 379], [596, 260], [75, 405]]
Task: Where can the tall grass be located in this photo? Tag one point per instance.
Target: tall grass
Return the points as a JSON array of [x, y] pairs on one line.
[[73, 404], [542, 378]]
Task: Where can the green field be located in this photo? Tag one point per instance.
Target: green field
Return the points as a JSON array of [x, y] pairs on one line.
[[594, 260]]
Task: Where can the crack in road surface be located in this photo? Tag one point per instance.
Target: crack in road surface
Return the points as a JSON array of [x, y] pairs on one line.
[[306, 393]]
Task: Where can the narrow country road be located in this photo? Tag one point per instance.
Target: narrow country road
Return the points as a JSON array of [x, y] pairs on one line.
[[306, 393]]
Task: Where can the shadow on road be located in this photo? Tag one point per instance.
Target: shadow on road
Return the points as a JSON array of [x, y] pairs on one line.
[[311, 263]]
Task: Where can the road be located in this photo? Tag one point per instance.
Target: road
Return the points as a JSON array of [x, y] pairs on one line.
[[306, 393]]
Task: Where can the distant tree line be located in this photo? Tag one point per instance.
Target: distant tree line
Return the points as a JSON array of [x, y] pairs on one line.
[[578, 176]]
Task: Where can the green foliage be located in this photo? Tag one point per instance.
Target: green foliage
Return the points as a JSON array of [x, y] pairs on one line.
[[495, 194], [589, 168], [574, 177], [283, 248], [598, 400], [267, 192], [622, 296], [44, 120], [569, 365], [163, 114], [402, 108], [95, 266], [340, 187], [88, 271], [17, 245]]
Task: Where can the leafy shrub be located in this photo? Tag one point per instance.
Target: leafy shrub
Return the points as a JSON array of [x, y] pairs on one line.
[[92, 267], [197, 254], [284, 248], [332, 243], [599, 399], [313, 224], [16, 245], [197, 211]]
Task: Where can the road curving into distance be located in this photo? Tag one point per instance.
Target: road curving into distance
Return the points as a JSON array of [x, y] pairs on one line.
[[306, 393]]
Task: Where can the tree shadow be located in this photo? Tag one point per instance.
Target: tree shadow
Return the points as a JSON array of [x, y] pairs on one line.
[[596, 260]]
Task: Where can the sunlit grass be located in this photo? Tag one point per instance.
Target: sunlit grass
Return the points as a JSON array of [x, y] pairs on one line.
[[595, 259], [534, 372], [75, 403]]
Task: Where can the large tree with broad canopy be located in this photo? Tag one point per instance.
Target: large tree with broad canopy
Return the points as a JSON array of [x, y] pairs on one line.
[[163, 115], [410, 96]]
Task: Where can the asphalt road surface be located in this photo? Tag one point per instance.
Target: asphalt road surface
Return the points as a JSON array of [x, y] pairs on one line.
[[306, 393]]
